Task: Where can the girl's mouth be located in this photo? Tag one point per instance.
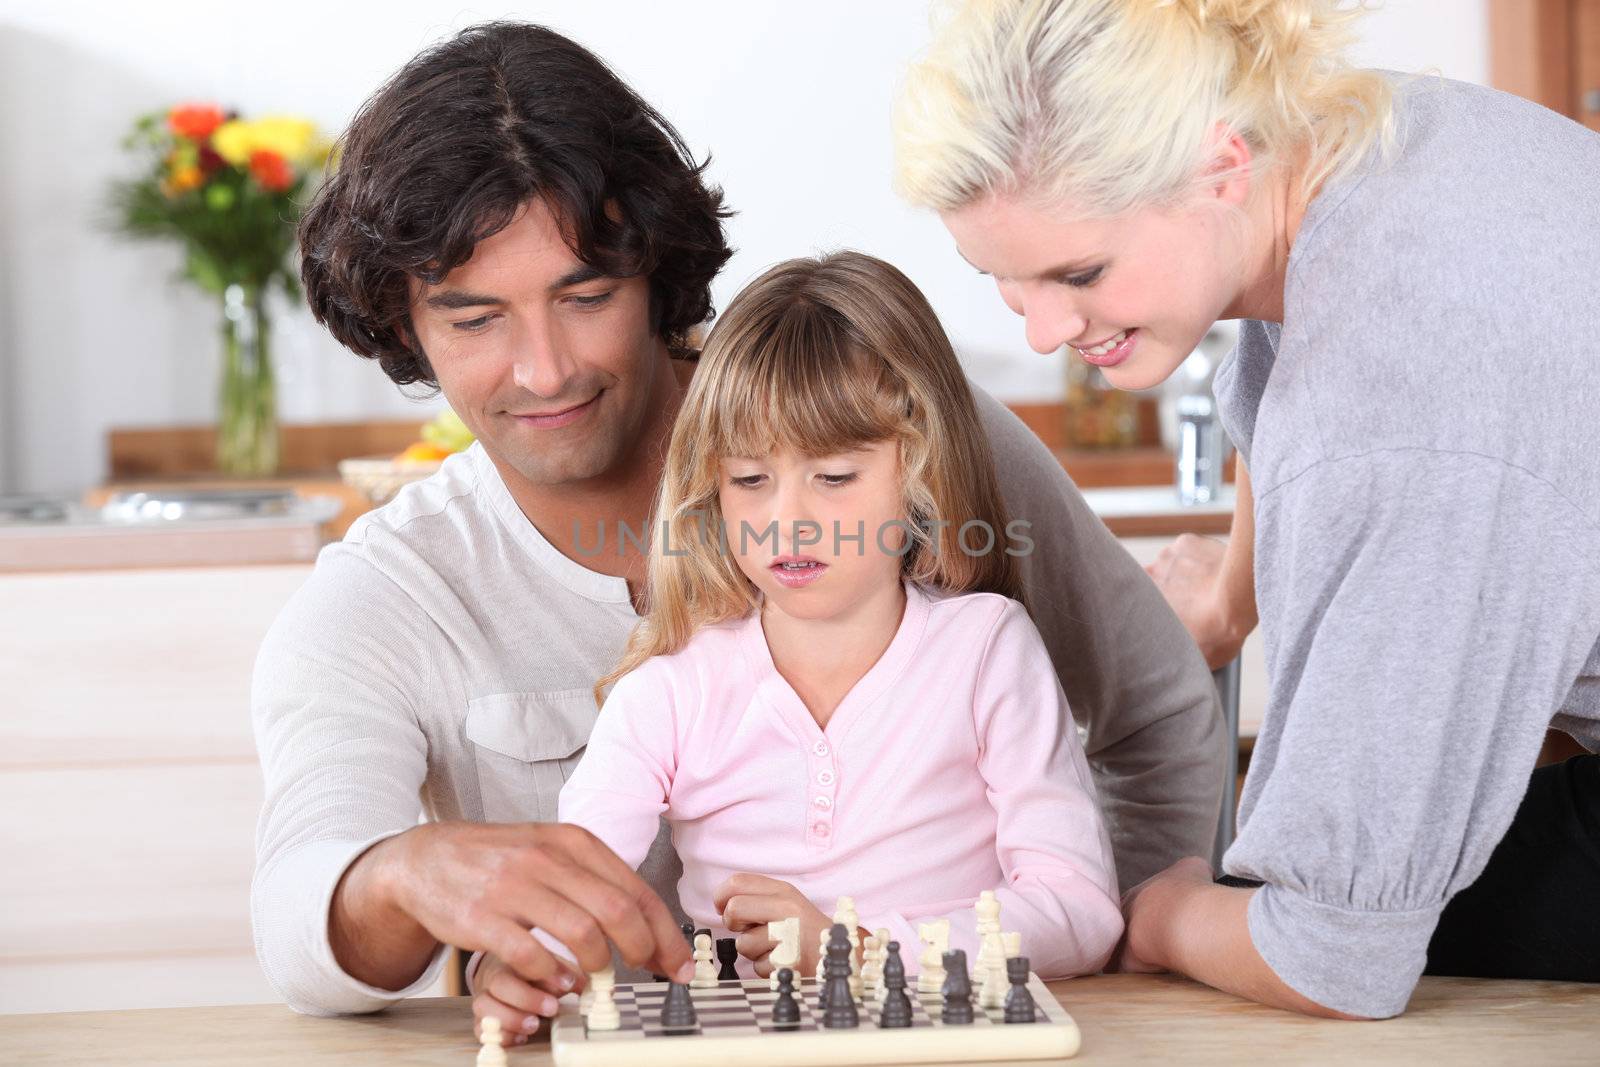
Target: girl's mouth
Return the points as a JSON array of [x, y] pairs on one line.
[[795, 572]]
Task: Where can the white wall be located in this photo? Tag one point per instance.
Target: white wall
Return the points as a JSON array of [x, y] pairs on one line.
[[792, 100]]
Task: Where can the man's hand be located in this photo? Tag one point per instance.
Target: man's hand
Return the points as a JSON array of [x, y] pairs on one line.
[[748, 902], [483, 886], [1190, 574]]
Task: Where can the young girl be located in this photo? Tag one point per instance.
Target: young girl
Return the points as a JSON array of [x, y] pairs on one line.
[[837, 690]]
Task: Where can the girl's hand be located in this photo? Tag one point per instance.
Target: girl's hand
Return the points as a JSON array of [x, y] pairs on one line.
[[1144, 907], [516, 1002], [748, 902], [1189, 573]]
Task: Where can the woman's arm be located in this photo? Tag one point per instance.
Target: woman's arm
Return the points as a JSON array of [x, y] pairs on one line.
[[1211, 585]]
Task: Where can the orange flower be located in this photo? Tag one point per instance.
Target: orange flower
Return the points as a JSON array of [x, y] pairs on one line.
[[271, 170], [194, 121]]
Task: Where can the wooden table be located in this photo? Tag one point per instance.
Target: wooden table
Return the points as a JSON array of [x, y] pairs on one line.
[[1124, 1019]]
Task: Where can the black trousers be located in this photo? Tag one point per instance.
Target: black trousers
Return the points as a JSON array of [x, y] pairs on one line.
[[1534, 912]]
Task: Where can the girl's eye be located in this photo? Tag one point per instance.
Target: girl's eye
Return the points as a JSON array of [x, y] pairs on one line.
[[1087, 278], [473, 325], [746, 481], [837, 479], [591, 301]]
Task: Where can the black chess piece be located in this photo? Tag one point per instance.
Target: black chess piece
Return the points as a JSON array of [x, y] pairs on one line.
[[727, 956], [786, 1009], [677, 1012], [1020, 1007], [957, 989], [839, 1004], [896, 1011]]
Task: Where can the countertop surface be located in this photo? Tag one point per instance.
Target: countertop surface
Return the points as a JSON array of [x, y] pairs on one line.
[[1123, 1019]]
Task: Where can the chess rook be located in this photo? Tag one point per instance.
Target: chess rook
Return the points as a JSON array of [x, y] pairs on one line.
[[1020, 1007]]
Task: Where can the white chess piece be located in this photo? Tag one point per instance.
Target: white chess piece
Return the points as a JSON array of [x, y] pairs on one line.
[[490, 1053], [603, 1013], [935, 939], [882, 992], [787, 934], [871, 967], [992, 994], [844, 913], [705, 971], [822, 955], [988, 909]]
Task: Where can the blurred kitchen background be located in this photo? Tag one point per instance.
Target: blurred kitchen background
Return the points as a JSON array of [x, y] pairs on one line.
[[137, 578]]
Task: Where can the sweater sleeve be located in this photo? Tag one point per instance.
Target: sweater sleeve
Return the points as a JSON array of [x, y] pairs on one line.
[[1425, 615], [343, 759], [1060, 888], [1132, 675], [621, 786]]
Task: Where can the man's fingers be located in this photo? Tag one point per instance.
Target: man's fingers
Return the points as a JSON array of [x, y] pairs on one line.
[[661, 948], [589, 911], [521, 952]]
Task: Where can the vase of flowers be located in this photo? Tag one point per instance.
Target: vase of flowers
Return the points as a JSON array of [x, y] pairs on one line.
[[229, 190]]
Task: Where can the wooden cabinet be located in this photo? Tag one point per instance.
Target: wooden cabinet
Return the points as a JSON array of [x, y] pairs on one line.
[[1549, 52]]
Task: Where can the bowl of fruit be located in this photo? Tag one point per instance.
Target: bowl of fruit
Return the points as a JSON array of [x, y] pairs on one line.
[[379, 478]]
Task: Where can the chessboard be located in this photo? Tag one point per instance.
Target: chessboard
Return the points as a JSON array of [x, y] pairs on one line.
[[735, 1027]]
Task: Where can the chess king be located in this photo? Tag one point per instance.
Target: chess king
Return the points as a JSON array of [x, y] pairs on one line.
[[510, 223]]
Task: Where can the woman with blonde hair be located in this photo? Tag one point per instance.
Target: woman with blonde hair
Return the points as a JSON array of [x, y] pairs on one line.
[[836, 690], [1415, 394]]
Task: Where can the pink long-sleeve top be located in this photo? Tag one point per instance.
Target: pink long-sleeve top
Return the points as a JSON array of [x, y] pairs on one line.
[[952, 766]]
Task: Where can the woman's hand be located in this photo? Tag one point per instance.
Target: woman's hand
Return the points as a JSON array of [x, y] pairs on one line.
[[1190, 574], [516, 1002], [748, 902], [1147, 914]]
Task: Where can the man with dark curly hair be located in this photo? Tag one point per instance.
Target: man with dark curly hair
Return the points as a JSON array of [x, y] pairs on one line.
[[509, 222]]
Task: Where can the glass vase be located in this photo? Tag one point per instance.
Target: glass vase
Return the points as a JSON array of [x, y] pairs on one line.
[[247, 410]]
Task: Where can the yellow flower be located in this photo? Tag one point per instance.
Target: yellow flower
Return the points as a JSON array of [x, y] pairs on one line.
[[294, 139]]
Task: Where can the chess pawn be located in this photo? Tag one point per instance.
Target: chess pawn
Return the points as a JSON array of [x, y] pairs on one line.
[[883, 960], [603, 1013], [490, 1052], [705, 972], [870, 967], [988, 910], [936, 937], [822, 955], [785, 1010], [844, 914], [896, 1011]]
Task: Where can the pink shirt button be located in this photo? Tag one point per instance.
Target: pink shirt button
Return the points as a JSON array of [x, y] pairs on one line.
[[823, 802], [820, 748], [824, 777], [820, 829]]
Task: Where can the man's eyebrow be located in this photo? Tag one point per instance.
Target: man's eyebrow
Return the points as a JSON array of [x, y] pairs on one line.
[[577, 276], [451, 299]]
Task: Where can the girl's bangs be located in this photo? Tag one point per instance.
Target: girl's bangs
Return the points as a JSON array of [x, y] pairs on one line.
[[804, 383]]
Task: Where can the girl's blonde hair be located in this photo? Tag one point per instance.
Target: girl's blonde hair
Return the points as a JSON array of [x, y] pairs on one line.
[[820, 356], [1111, 105]]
